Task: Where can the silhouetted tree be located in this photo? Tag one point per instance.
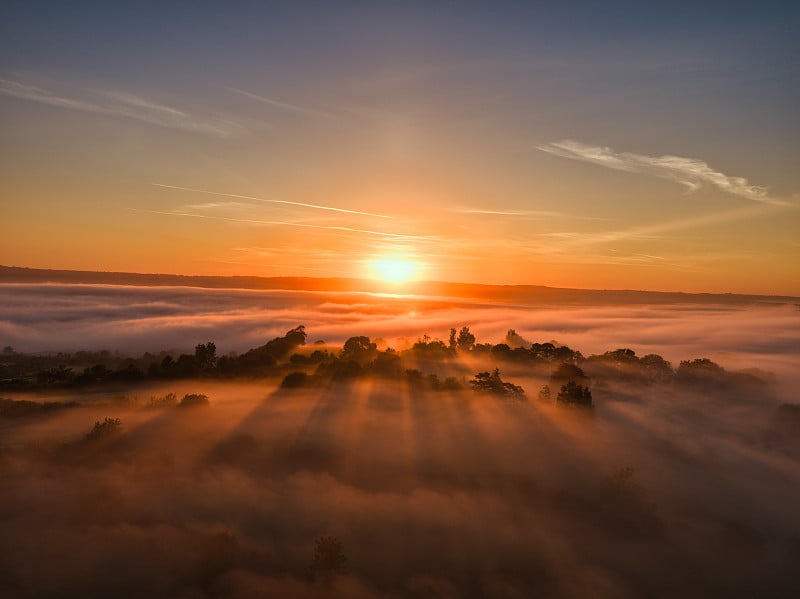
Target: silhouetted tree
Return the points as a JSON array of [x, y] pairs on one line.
[[359, 349], [621, 355], [281, 346], [551, 352], [656, 367], [314, 357], [167, 363], [260, 359], [567, 371], [386, 363], [573, 394], [465, 340], [431, 350], [492, 383], [451, 342], [501, 351], [206, 355]]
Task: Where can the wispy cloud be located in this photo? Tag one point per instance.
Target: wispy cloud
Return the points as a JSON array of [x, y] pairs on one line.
[[287, 202], [255, 221], [282, 105], [120, 104], [529, 214], [691, 172], [654, 231], [494, 212], [215, 205]]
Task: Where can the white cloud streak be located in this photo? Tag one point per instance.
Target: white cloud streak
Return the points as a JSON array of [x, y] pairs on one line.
[[282, 223], [286, 202], [493, 212], [691, 172], [120, 104], [282, 105], [527, 214]]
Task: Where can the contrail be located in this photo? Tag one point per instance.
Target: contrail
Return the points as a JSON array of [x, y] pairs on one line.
[[279, 104], [275, 222], [233, 195]]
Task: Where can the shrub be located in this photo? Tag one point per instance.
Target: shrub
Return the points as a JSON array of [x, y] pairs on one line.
[[329, 559], [167, 401], [573, 394], [193, 400], [295, 380], [101, 430]]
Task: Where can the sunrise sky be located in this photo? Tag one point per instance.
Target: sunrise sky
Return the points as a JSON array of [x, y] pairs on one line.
[[577, 144]]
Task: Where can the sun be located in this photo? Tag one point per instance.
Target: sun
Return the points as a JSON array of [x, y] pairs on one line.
[[394, 270]]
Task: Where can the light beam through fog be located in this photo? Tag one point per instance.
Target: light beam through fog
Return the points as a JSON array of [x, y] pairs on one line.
[[531, 366], [425, 492]]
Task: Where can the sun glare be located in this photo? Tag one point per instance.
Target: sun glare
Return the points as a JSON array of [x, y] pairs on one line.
[[394, 270]]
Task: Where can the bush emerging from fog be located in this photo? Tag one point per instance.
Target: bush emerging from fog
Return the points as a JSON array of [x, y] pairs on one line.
[[573, 394], [544, 393], [170, 400], [296, 380], [194, 400], [329, 559], [492, 383], [107, 428]]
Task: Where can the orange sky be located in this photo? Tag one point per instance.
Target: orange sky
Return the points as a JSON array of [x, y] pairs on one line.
[[570, 158]]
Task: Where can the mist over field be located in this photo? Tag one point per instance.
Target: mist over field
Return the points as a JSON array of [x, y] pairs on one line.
[[388, 300], [395, 478], [752, 332], [663, 492]]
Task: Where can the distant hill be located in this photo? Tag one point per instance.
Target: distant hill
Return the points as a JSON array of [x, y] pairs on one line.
[[523, 294]]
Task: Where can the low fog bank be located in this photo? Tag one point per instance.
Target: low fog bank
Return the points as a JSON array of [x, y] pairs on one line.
[[377, 487], [131, 320]]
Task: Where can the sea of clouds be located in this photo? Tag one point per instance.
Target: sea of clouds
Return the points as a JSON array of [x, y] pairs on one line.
[[131, 320]]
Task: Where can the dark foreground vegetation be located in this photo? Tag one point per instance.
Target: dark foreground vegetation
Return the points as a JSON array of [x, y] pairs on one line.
[[449, 469], [302, 365]]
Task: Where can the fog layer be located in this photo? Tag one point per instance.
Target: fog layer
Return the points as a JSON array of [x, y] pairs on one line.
[[662, 491], [137, 319]]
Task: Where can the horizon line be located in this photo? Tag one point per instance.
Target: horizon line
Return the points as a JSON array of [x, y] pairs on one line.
[[383, 285]]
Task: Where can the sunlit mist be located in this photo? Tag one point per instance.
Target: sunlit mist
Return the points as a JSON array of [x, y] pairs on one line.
[[387, 300]]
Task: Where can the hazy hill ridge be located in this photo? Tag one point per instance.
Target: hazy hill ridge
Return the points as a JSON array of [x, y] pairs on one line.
[[503, 293]]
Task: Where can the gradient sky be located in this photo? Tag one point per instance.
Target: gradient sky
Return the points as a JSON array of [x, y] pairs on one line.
[[599, 145]]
